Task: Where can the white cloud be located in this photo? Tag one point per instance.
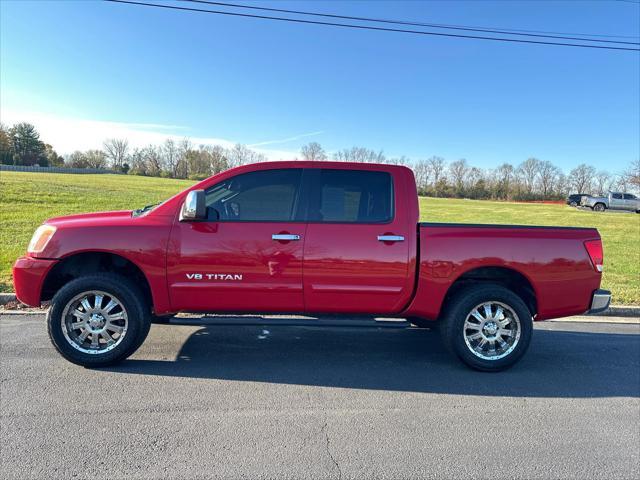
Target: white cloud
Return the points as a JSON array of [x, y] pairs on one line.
[[67, 134], [287, 140]]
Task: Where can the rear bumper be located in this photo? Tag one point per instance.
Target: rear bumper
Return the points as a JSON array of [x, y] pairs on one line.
[[600, 301], [28, 276]]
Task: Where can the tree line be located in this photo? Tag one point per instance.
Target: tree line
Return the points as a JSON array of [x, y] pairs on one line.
[[21, 145], [532, 179]]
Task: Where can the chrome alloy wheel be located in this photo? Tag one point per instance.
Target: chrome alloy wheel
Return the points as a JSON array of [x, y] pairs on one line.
[[94, 322], [491, 330]]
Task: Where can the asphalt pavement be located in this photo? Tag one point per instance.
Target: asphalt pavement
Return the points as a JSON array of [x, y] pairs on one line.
[[283, 401]]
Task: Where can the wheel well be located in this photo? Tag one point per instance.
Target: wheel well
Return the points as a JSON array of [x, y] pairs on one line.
[[86, 263], [506, 277]]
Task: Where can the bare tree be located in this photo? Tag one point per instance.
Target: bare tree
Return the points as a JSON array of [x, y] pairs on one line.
[[218, 160], [95, 158], [620, 184], [458, 171], [359, 154], [313, 151], [401, 160], [137, 162], [436, 164], [182, 165], [342, 155], [528, 171], [602, 182], [242, 155], [206, 160], [563, 184], [239, 155], [582, 177], [77, 160], [505, 176], [170, 157], [199, 162], [632, 175], [152, 157], [474, 174], [116, 150], [422, 171], [548, 174]]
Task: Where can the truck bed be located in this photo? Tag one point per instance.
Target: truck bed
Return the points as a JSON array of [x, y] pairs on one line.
[[551, 262]]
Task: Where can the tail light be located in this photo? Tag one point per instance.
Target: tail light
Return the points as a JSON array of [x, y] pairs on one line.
[[594, 249]]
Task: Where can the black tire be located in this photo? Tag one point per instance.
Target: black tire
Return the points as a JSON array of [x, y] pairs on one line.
[[573, 204], [461, 305], [133, 303], [599, 207]]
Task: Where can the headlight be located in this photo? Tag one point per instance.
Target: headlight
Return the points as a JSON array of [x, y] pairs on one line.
[[40, 238]]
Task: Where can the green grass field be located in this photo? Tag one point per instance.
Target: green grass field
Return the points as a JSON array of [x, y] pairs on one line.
[[26, 199]]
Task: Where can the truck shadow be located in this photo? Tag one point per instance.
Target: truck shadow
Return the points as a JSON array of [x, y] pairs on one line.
[[559, 363]]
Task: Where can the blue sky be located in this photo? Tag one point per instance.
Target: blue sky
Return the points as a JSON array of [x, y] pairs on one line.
[[82, 71]]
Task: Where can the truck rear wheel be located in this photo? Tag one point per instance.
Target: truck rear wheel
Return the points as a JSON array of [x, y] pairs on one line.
[[599, 207], [487, 326], [98, 320]]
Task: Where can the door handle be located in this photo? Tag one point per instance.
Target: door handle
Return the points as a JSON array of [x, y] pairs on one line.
[[390, 238], [284, 236]]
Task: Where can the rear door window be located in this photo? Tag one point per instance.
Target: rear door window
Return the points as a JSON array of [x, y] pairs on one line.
[[351, 196]]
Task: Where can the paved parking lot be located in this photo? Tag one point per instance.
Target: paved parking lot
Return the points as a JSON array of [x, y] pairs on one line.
[[254, 401]]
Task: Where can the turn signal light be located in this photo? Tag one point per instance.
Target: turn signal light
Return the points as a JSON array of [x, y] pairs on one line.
[[40, 238], [594, 249]]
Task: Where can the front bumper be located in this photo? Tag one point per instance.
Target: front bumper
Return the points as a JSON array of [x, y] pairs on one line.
[[600, 301], [28, 277]]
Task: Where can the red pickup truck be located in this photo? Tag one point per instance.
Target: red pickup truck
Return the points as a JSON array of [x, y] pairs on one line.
[[305, 237]]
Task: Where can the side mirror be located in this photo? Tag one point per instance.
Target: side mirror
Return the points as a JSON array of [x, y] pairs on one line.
[[194, 207]]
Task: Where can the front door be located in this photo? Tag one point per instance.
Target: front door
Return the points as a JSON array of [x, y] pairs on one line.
[[356, 254], [249, 256]]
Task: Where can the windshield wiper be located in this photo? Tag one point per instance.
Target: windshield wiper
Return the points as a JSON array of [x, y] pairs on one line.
[[139, 211]]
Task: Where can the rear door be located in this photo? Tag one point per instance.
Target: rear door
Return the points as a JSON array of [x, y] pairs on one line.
[[248, 257], [356, 251], [616, 201], [630, 202]]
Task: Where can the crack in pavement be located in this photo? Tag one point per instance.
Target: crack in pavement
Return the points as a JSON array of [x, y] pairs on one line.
[[328, 449]]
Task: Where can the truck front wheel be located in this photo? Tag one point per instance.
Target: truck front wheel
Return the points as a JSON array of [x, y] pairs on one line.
[[98, 320], [487, 326]]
